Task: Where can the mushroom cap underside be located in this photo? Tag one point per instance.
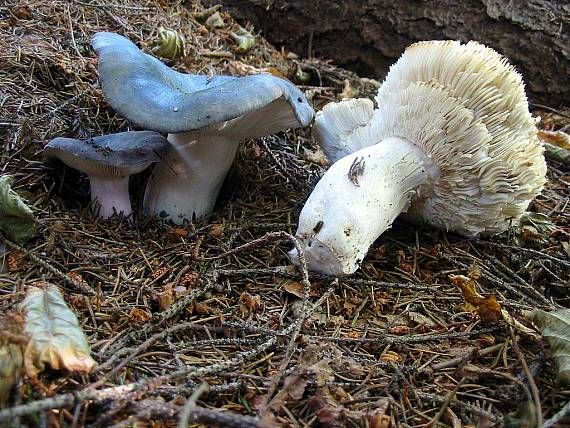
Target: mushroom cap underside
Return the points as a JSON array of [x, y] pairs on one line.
[[466, 107], [114, 155], [153, 96]]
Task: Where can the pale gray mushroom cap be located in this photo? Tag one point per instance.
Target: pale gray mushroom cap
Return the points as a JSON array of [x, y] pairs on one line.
[[466, 107], [153, 96], [113, 155]]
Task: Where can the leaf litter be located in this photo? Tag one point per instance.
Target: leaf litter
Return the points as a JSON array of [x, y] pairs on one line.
[[165, 309]]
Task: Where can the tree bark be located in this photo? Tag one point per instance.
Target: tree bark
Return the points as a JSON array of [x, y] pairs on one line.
[[367, 36]]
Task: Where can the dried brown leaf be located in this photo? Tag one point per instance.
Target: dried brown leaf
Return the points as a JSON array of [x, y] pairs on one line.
[[139, 316], [251, 302], [216, 230], [421, 319], [56, 339], [555, 328], [12, 341], [487, 307], [166, 297], [557, 138], [295, 288], [316, 156]]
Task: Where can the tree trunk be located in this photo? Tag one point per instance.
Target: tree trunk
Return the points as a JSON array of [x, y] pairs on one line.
[[368, 36]]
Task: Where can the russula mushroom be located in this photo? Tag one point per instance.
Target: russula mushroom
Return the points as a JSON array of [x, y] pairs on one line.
[[205, 117], [109, 161], [451, 142]]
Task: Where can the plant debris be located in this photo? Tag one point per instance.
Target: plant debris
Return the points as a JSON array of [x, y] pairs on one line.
[[17, 221], [56, 339], [166, 309]]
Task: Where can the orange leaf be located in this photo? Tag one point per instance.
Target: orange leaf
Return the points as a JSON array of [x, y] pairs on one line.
[[295, 288], [487, 307], [558, 138]]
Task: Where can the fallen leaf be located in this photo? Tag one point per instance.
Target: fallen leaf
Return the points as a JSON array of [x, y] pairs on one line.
[[17, 221], [399, 330], [166, 297], [555, 328], [178, 232], [56, 339], [216, 230], [200, 308], [168, 43], [517, 325], [251, 302], [12, 342], [421, 319], [558, 138], [391, 356], [534, 227], [215, 21], [244, 39], [139, 316], [487, 307], [316, 156], [295, 288]]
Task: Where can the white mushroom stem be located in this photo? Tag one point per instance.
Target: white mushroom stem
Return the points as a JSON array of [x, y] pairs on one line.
[[357, 199], [110, 196], [186, 184]]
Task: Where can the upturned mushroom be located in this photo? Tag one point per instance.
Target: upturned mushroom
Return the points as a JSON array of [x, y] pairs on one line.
[[205, 117], [109, 161], [451, 142]]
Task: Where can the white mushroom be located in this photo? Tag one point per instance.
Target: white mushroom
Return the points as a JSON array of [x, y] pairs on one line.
[[451, 142]]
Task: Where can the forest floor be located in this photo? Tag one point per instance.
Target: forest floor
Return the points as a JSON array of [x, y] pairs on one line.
[[210, 321]]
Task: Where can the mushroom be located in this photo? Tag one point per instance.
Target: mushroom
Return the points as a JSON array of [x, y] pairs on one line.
[[109, 161], [205, 117], [451, 142]]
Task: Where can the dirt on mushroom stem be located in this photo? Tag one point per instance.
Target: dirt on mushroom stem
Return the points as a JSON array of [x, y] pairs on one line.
[[393, 337]]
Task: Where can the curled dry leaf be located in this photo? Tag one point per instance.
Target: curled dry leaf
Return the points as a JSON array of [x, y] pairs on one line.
[[295, 288], [487, 307], [139, 316], [534, 227], [216, 230], [251, 302], [168, 44], [12, 342], [317, 156], [555, 328], [17, 221], [166, 297], [215, 21], [205, 14], [56, 339], [244, 39], [557, 138], [391, 356]]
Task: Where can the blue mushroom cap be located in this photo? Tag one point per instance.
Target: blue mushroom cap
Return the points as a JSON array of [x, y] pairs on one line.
[[113, 155], [153, 96]]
